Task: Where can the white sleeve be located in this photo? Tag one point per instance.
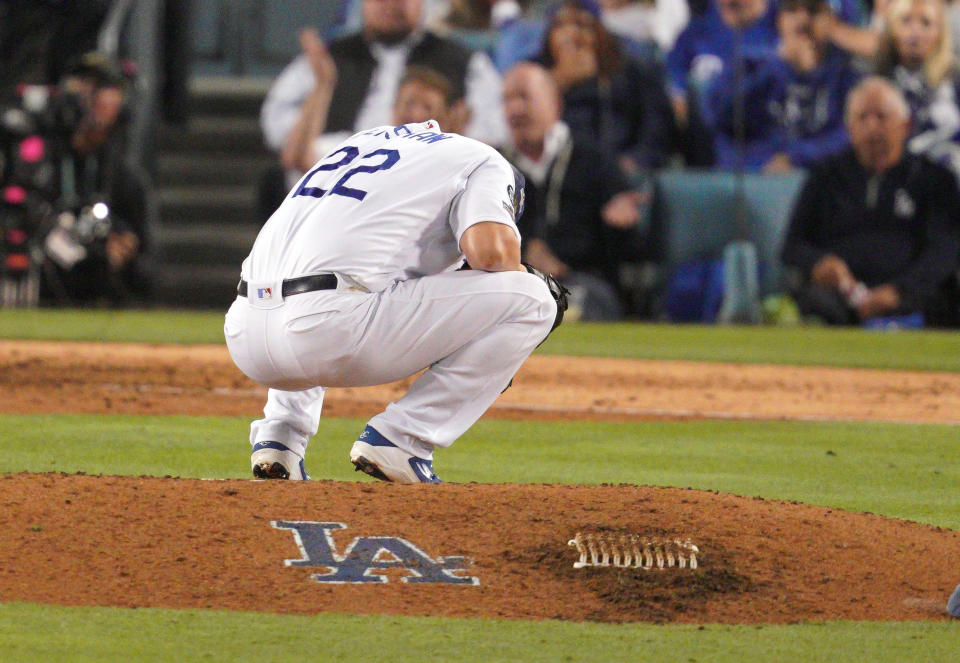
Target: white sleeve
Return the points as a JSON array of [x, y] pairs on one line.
[[486, 196], [281, 108], [484, 94]]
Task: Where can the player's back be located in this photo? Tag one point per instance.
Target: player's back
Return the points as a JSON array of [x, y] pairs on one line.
[[376, 209]]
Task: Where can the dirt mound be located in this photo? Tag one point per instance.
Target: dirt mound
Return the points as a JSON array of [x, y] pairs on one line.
[[456, 550], [364, 548]]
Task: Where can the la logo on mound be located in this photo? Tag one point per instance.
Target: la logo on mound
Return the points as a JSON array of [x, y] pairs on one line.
[[366, 558]]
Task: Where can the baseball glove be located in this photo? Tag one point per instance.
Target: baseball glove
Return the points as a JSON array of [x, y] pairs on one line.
[[556, 289]]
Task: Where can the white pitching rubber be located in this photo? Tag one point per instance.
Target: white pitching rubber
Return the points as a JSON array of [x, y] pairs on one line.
[[633, 551]]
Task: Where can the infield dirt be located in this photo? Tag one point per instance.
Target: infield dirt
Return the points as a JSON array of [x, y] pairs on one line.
[[164, 542]]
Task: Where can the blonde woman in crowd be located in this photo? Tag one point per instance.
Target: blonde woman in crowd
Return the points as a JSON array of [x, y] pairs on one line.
[[916, 53]]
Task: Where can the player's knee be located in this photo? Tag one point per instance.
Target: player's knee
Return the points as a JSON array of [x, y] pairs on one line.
[[532, 297]]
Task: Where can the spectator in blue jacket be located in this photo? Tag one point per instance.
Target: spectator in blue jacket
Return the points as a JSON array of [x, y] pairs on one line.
[[916, 54], [730, 32], [790, 111]]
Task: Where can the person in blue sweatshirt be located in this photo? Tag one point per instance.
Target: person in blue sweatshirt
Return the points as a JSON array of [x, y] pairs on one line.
[[730, 31], [788, 112]]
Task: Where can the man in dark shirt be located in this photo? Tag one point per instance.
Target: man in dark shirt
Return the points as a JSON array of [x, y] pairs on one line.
[[582, 218], [360, 74], [875, 231]]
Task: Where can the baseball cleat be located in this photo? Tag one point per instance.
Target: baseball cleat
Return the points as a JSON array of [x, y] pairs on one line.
[[272, 460], [377, 456]]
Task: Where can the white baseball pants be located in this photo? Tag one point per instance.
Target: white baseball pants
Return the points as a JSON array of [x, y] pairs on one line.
[[473, 330]]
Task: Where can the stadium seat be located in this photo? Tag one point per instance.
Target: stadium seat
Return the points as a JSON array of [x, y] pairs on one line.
[[770, 200], [697, 214]]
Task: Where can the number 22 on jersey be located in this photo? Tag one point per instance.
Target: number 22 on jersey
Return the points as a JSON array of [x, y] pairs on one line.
[[349, 154]]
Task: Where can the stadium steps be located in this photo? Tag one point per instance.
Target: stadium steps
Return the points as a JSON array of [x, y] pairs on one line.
[[190, 245], [221, 204], [236, 135], [207, 175], [213, 168], [202, 287]]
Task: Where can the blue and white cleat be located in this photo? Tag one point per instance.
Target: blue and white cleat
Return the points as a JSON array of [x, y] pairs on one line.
[[377, 456], [953, 605], [272, 460]]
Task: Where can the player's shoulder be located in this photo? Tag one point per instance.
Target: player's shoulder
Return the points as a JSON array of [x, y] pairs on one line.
[[472, 154]]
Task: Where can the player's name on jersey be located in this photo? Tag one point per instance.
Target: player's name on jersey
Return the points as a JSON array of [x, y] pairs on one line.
[[403, 131]]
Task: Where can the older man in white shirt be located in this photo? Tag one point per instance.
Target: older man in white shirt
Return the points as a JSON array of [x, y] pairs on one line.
[[357, 77]]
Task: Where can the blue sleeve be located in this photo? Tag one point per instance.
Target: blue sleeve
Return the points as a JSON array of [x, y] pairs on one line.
[[807, 151], [678, 62]]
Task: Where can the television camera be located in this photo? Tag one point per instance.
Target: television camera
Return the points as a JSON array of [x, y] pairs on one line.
[[45, 214]]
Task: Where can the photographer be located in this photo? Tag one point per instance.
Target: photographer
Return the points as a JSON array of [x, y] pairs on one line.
[[94, 248]]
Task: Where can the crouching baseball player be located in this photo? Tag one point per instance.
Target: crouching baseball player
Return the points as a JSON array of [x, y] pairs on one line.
[[357, 280]]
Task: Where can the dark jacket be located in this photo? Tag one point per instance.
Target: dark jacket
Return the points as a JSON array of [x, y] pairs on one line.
[[900, 227], [581, 181], [356, 64], [105, 176], [626, 114]]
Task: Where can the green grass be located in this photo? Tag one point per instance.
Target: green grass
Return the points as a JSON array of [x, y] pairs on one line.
[[38, 633], [811, 346], [921, 350], [901, 470], [112, 325]]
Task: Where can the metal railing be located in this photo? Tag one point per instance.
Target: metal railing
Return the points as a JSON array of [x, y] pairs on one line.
[[132, 29]]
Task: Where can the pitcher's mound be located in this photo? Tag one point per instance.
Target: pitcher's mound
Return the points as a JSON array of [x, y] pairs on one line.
[[458, 550]]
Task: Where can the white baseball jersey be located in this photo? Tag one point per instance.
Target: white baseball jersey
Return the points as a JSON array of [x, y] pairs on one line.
[[386, 210], [387, 205]]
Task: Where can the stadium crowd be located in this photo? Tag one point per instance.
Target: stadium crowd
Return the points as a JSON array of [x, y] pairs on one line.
[[592, 99]]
